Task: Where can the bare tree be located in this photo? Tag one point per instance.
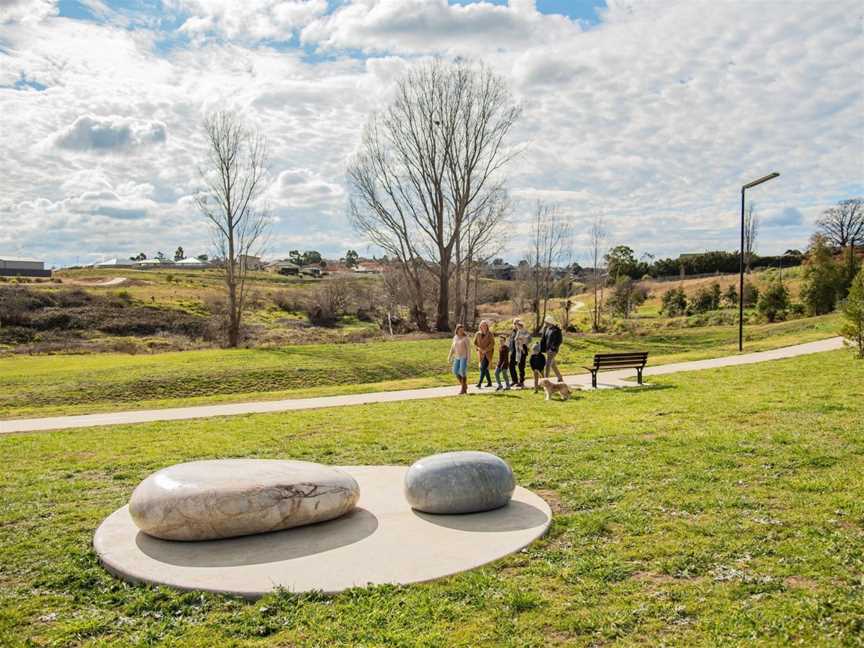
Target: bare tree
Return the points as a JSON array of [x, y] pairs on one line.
[[597, 242], [432, 159], [843, 226], [548, 239], [235, 177], [751, 234], [482, 238]]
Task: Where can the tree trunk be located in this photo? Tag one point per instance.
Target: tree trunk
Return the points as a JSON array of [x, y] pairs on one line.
[[442, 317], [233, 323]]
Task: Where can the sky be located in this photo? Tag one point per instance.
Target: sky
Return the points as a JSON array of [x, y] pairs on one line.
[[649, 113]]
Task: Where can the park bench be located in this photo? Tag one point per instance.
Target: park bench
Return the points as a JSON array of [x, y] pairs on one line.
[[634, 360]]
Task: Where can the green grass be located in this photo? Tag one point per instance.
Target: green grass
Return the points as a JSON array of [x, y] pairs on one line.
[[721, 508], [74, 384]]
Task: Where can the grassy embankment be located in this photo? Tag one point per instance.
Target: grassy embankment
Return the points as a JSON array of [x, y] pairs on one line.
[[58, 384], [721, 508]]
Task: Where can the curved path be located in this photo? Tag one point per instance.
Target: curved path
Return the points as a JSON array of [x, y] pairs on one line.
[[609, 379]]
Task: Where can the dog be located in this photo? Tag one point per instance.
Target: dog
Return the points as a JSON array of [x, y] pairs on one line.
[[555, 388]]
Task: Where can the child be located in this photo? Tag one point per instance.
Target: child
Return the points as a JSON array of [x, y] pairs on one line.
[[538, 364], [460, 352], [503, 365]]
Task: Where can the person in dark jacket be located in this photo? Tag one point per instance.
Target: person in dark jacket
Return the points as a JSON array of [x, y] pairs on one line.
[[538, 363], [503, 364], [552, 339]]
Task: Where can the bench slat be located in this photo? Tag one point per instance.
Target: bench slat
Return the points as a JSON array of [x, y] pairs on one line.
[[608, 356]]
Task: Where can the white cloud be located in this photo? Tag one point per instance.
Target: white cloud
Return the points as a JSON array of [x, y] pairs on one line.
[[110, 134], [26, 11], [433, 26], [655, 117], [251, 20]]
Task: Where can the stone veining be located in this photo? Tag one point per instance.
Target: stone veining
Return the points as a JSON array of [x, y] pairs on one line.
[[206, 500]]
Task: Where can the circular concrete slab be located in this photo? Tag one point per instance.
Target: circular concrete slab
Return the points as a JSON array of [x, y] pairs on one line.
[[382, 541]]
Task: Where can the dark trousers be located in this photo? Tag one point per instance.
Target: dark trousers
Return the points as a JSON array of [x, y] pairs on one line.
[[518, 379], [484, 371]]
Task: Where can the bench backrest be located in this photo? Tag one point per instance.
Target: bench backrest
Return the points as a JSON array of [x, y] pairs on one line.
[[632, 359]]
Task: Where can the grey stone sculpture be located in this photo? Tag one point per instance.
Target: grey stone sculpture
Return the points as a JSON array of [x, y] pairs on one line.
[[459, 482], [206, 500]]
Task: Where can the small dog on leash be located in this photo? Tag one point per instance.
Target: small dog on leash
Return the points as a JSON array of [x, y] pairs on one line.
[[555, 388]]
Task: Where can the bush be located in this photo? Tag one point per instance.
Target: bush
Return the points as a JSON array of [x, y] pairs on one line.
[[797, 309], [288, 301], [822, 281], [674, 302], [774, 301], [751, 294], [853, 314], [730, 297], [706, 299], [329, 302], [626, 295]]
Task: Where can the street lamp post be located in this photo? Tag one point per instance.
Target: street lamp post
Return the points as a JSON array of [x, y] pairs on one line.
[[747, 186]]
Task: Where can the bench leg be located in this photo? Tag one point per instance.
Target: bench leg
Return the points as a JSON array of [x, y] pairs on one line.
[[594, 379], [639, 375]]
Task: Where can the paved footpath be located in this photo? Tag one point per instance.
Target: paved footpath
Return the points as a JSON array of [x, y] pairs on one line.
[[610, 379]]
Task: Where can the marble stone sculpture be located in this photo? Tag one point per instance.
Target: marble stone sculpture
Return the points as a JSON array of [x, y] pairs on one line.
[[207, 500], [459, 482]]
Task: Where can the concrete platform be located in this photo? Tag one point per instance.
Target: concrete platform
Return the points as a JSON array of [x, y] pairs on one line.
[[382, 541]]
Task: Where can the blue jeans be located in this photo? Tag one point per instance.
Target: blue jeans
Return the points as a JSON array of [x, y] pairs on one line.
[[460, 367], [502, 371], [484, 372]]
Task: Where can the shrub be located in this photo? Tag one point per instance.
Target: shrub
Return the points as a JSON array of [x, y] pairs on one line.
[[730, 297], [774, 301], [797, 309], [706, 299], [853, 314], [822, 280], [329, 302], [751, 294], [72, 298], [626, 295], [674, 302], [288, 301]]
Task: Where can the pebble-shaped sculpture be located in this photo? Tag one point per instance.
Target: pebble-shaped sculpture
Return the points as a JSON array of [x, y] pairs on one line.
[[459, 482], [208, 500]]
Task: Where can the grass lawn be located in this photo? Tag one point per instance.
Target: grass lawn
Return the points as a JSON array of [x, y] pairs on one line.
[[722, 507], [75, 384]]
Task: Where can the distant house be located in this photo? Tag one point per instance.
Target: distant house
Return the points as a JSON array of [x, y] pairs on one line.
[[311, 271], [149, 263], [114, 263], [369, 267], [191, 263], [501, 270], [284, 267], [22, 267], [251, 262]]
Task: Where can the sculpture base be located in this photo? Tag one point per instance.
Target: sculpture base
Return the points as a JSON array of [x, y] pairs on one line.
[[382, 541]]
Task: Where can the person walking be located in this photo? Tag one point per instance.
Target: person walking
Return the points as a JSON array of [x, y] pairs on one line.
[[523, 343], [460, 353], [503, 363], [538, 363], [551, 344], [484, 342], [511, 348]]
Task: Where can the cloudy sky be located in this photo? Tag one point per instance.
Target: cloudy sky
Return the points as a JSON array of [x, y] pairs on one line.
[[650, 112]]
